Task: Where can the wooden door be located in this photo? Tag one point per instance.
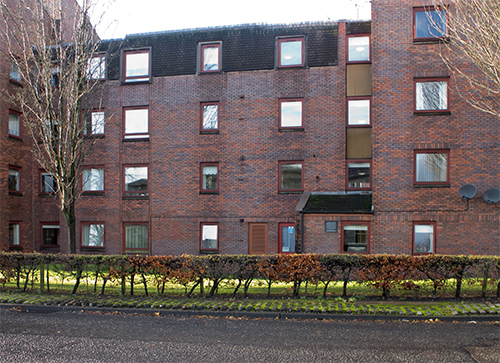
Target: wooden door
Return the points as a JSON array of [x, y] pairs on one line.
[[257, 238]]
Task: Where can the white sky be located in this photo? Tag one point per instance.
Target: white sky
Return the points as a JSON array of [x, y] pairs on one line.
[[142, 16]]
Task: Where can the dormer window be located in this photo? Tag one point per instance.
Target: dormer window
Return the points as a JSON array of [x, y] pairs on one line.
[[210, 57], [291, 52], [136, 66]]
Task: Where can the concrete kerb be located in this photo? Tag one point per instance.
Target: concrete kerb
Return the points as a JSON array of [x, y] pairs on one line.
[[44, 309]]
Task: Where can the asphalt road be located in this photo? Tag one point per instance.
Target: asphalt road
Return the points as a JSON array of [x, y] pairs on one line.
[[65, 336]]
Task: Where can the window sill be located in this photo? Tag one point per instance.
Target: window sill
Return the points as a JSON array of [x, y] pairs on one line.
[[45, 195], [17, 194], [282, 129], [208, 132], [431, 185], [291, 192], [126, 83], [138, 139], [14, 82], [208, 192], [135, 197], [92, 194], [88, 248], [430, 40], [15, 247], [207, 252], [14, 137], [96, 136], [431, 113], [47, 247]]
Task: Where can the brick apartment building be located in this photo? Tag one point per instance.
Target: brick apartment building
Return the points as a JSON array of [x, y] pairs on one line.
[[316, 138]]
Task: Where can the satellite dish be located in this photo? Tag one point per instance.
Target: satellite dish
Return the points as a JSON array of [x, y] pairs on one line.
[[492, 195], [467, 191]]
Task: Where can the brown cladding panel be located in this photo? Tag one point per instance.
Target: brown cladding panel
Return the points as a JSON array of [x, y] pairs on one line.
[[359, 80], [359, 143]]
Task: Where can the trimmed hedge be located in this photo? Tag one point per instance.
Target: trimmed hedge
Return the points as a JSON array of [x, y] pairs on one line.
[[386, 272]]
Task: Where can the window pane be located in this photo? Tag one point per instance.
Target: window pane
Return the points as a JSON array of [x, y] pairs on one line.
[[14, 235], [358, 175], [424, 239], [49, 235], [137, 66], [136, 236], [359, 49], [93, 235], [430, 24], [14, 180], [209, 237], [291, 176], [432, 167], [14, 72], [210, 117], [136, 179], [96, 68], [291, 53], [210, 177], [431, 96], [288, 239], [14, 124], [211, 58], [97, 123], [47, 184], [136, 122], [291, 114], [359, 112], [355, 238], [93, 179]]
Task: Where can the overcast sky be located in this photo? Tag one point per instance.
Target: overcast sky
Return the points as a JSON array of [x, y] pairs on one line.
[[142, 16]]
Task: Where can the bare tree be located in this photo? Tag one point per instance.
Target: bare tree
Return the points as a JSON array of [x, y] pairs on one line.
[[52, 46], [472, 49]]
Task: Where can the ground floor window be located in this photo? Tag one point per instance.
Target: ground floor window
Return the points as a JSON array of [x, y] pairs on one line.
[[136, 238], [424, 237], [209, 237], [92, 235], [356, 237], [50, 235], [286, 238], [14, 234]]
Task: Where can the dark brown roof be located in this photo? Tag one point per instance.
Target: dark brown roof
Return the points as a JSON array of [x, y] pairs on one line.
[[339, 203]]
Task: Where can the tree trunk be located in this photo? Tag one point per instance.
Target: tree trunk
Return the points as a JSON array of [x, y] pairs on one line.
[[69, 215]]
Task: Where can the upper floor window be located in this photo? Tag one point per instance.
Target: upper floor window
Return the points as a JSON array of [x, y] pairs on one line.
[[291, 52], [358, 175], [290, 176], [429, 23], [14, 179], [431, 95], [14, 123], [136, 122], [291, 113], [209, 116], [95, 123], [92, 235], [358, 49], [136, 65], [358, 112], [93, 179], [47, 183], [136, 181], [209, 177], [96, 67], [210, 57], [431, 167], [14, 73], [424, 237]]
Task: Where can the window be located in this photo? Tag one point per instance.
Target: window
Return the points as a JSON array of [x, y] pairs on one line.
[[209, 116], [431, 95], [209, 237], [14, 179], [14, 123], [136, 122], [210, 57], [96, 67], [93, 179], [424, 237], [14, 73], [95, 123], [14, 234], [358, 112], [358, 175], [92, 235], [209, 177], [50, 234], [136, 66], [291, 52], [286, 238], [358, 49], [431, 167], [290, 176], [291, 113], [136, 237], [429, 23], [47, 183], [356, 237], [136, 181]]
